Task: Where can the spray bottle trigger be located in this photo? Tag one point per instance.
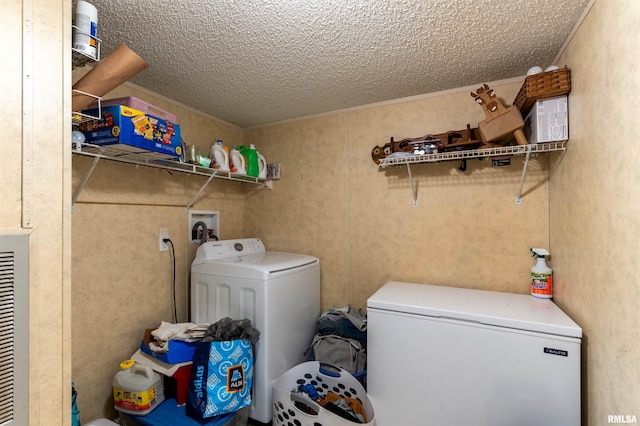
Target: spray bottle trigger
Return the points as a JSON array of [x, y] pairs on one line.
[[540, 252]]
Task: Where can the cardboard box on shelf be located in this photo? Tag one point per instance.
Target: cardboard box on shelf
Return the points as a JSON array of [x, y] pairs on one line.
[[179, 351], [548, 121], [138, 104], [133, 130]]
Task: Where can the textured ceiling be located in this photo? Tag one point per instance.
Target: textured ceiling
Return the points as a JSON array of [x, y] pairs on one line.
[[261, 61]]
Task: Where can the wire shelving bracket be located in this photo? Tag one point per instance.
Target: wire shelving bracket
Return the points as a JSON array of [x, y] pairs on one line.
[[526, 150], [154, 160]]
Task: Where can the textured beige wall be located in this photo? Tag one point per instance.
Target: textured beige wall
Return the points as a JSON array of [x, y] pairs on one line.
[[121, 282], [34, 200], [10, 172], [334, 202], [595, 207]]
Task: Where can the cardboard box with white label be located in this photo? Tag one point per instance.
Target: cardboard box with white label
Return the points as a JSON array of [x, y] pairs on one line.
[[548, 121]]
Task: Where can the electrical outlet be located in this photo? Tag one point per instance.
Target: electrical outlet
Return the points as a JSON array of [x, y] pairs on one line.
[[163, 234]]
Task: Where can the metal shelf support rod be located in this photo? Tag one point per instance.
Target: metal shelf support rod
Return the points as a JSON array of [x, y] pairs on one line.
[[195, 197], [414, 186], [524, 172], [84, 181]]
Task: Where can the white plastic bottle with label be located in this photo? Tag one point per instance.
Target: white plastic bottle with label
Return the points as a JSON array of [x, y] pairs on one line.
[[84, 36], [541, 276], [237, 159], [262, 167], [137, 389], [219, 157]]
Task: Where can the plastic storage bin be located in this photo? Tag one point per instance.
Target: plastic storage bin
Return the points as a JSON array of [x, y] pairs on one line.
[[293, 408], [169, 413], [138, 104]]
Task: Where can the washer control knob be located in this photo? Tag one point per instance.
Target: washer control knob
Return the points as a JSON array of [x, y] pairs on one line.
[[238, 247]]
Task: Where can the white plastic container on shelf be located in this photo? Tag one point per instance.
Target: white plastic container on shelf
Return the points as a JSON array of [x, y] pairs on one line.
[[220, 157], [237, 163], [262, 166], [84, 36]]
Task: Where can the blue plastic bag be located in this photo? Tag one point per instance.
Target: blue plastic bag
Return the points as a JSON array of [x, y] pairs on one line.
[[221, 378], [75, 413]]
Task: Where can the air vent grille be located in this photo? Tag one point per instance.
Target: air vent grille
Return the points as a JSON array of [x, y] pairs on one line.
[[7, 330], [13, 321]]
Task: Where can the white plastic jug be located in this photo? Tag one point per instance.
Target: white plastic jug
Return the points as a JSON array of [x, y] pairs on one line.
[[220, 157], [237, 159], [137, 389], [262, 166]]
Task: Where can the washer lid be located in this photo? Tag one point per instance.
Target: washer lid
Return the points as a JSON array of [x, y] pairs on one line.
[[256, 265], [517, 311]]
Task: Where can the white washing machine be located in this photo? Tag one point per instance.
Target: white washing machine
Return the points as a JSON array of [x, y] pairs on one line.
[[279, 293]]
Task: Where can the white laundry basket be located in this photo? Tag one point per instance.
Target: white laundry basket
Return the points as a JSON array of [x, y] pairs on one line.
[[291, 408]]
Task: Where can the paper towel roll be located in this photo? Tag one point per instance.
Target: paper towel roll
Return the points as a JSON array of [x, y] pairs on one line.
[[118, 67]]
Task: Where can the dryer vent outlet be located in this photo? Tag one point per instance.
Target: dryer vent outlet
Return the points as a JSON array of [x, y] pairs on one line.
[[209, 218]]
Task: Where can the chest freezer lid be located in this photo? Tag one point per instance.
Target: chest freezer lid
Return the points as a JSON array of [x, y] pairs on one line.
[[517, 311]]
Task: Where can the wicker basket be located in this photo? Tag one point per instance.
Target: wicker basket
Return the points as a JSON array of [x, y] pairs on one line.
[[541, 86], [291, 408]]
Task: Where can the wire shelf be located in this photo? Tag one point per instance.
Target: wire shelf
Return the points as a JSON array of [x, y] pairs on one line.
[[154, 160], [79, 58], [157, 160], [500, 151], [474, 153], [78, 117]]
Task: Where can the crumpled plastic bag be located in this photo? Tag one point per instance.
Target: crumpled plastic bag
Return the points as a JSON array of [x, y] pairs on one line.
[[227, 329]]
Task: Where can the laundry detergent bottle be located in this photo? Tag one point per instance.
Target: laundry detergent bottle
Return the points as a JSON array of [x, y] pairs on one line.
[[236, 162], [251, 159], [220, 156], [541, 276], [262, 166]]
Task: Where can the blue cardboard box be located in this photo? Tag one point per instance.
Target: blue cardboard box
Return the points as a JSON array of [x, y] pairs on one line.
[[179, 351], [133, 130]]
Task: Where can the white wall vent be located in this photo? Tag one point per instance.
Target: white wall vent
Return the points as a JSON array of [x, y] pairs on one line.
[[14, 330]]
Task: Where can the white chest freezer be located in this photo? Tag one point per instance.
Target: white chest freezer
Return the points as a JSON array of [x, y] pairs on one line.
[[450, 356]]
